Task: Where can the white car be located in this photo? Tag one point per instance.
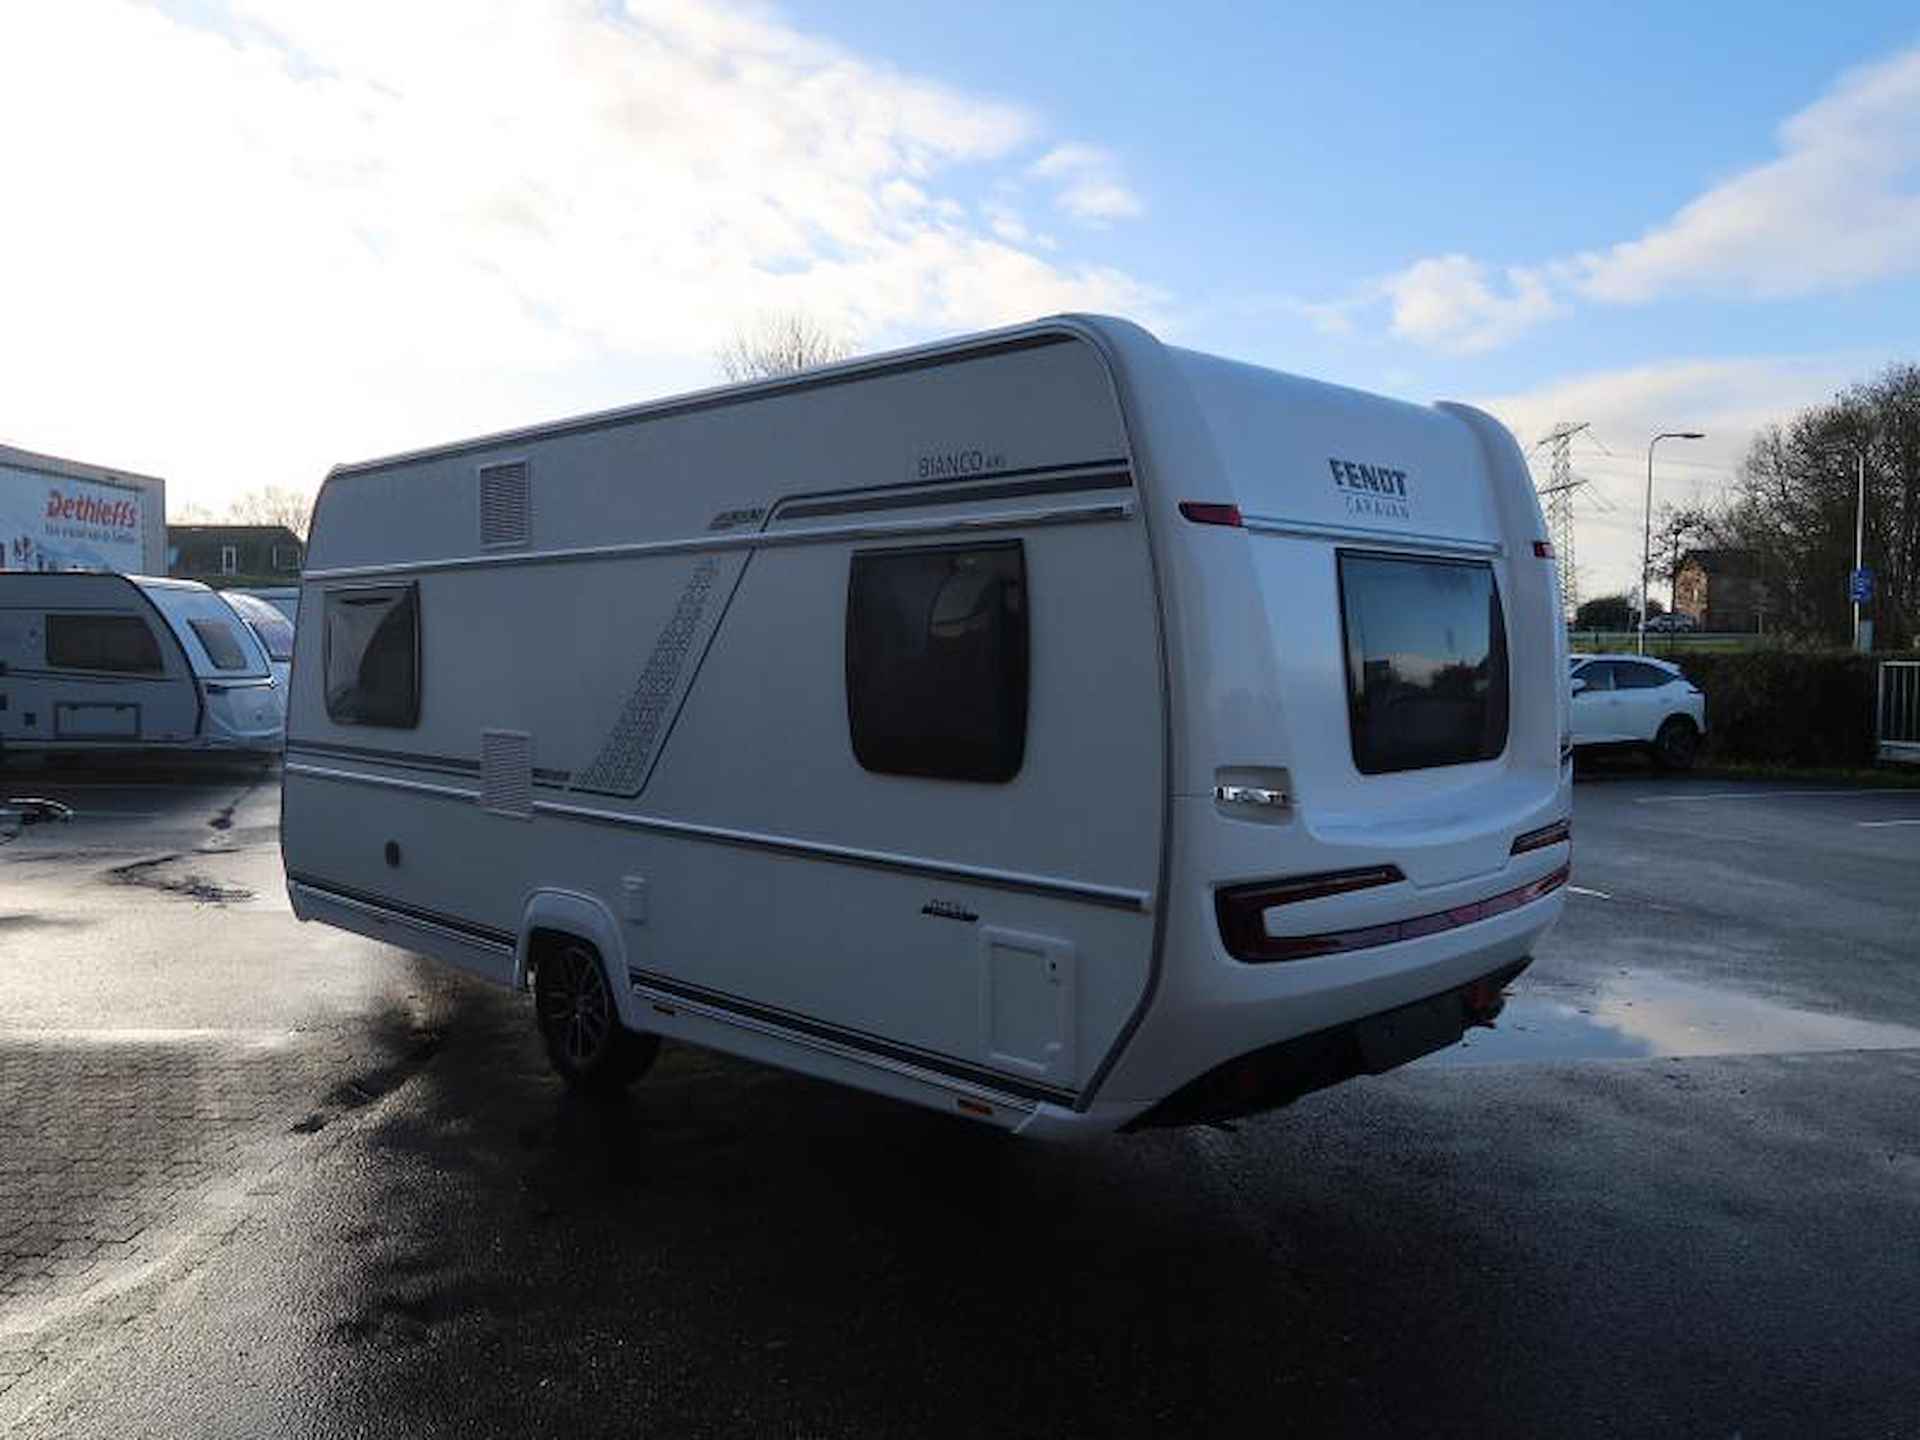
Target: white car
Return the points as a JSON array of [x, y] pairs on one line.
[[1636, 700]]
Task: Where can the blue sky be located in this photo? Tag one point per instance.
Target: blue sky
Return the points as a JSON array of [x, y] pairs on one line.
[[291, 234]]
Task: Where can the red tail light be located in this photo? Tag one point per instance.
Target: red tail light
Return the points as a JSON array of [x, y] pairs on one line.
[[1243, 930], [1559, 832], [1204, 512]]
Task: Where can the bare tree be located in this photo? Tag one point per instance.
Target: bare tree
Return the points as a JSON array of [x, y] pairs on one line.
[[272, 505], [780, 345]]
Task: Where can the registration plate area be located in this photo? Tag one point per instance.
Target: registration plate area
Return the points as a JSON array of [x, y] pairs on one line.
[[1389, 1040]]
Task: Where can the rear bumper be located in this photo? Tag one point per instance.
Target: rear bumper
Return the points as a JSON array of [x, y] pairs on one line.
[[1279, 1074]]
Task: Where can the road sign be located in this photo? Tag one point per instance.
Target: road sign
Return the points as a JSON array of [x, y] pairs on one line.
[[1860, 585]]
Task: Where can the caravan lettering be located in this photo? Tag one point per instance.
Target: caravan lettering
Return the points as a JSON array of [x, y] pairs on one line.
[[1370, 489]]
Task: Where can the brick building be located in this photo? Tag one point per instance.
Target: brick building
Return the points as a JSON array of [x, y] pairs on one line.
[[235, 554], [1721, 589]]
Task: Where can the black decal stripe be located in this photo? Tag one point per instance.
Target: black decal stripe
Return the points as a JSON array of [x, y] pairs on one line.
[[486, 934], [853, 1039], [412, 759], [860, 502]]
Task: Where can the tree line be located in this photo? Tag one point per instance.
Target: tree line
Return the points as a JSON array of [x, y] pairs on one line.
[[1791, 510]]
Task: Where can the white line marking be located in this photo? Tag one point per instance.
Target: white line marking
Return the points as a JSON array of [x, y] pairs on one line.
[[1582, 890], [1882, 824], [1764, 795]]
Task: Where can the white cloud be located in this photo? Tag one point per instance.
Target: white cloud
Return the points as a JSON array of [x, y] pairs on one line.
[[331, 230], [1840, 206], [1727, 399], [1091, 187], [1456, 303]]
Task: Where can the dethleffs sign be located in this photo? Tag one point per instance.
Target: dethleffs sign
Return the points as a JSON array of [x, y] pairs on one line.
[[52, 522]]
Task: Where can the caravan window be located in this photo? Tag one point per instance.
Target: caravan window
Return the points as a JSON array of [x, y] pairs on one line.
[[123, 643], [373, 656], [937, 661], [1426, 662], [222, 645]]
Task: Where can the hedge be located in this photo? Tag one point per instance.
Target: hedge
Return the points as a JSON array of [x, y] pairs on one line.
[[1787, 707]]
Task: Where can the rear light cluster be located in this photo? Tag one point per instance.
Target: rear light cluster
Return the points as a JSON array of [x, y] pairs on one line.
[[1560, 832], [1206, 512], [1242, 910]]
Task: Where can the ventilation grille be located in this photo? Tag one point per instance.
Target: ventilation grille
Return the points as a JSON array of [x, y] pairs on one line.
[[506, 772], [506, 504]]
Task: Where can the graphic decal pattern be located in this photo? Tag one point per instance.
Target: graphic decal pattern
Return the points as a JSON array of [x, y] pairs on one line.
[[622, 764]]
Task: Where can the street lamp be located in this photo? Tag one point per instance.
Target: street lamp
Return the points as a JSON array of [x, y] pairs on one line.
[[1861, 639], [1646, 541]]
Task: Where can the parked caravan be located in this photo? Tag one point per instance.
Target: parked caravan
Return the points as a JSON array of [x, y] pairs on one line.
[[270, 627], [92, 662], [1052, 727]]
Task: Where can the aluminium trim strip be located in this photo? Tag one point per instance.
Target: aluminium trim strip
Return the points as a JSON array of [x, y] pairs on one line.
[[410, 918], [745, 540], [1371, 535], [382, 782], [952, 1076], [1113, 896]]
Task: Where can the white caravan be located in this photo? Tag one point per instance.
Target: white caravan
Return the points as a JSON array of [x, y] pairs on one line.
[[270, 626], [92, 662], [1051, 727]]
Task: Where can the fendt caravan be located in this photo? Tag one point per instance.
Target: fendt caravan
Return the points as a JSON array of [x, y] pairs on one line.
[[1051, 727], [92, 662]]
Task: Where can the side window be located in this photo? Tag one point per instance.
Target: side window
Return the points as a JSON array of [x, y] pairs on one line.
[[937, 661], [1598, 675], [373, 655], [122, 643], [222, 645], [1631, 676]]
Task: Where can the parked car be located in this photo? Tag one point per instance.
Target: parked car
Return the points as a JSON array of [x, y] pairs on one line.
[[1672, 623], [1622, 700]]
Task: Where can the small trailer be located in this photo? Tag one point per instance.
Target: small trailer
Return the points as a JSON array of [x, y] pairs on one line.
[[1052, 727], [93, 662]]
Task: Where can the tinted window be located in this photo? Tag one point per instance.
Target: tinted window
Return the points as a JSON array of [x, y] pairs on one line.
[[1426, 662], [103, 642], [222, 645], [1598, 675], [1628, 675], [373, 656], [937, 661]]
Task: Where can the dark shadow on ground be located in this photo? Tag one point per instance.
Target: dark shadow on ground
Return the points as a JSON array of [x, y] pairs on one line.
[[735, 1251]]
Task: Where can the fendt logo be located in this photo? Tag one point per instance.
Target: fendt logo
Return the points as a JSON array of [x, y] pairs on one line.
[[1370, 489]]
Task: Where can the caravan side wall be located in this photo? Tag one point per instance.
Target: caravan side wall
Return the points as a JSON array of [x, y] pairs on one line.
[[633, 704]]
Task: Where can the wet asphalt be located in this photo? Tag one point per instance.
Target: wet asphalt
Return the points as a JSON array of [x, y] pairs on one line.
[[1677, 1192]]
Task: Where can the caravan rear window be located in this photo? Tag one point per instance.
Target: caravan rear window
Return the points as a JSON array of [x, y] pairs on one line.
[[1426, 662], [937, 661], [122, 643], [373, 656]]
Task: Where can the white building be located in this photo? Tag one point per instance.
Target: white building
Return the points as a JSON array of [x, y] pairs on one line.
[[68, 515]]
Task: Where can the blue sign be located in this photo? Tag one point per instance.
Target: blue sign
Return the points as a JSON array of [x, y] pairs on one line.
[[1860, 585]]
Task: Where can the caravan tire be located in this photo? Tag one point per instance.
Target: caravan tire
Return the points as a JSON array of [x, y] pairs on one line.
[[580, 1022]]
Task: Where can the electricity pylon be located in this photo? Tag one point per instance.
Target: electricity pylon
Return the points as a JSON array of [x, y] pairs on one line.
[[1557, 495]]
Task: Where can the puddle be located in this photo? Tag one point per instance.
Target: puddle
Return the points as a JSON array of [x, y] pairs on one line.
[[1647, 1015]]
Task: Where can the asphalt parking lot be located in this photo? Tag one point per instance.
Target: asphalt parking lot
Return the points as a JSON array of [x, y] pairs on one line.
[[260, 1178]]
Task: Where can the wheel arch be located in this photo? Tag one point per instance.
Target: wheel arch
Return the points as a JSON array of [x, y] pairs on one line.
[[584, 917]]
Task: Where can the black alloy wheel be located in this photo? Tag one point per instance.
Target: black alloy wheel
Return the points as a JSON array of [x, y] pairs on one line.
[[580, 1023], [1675, 747]]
